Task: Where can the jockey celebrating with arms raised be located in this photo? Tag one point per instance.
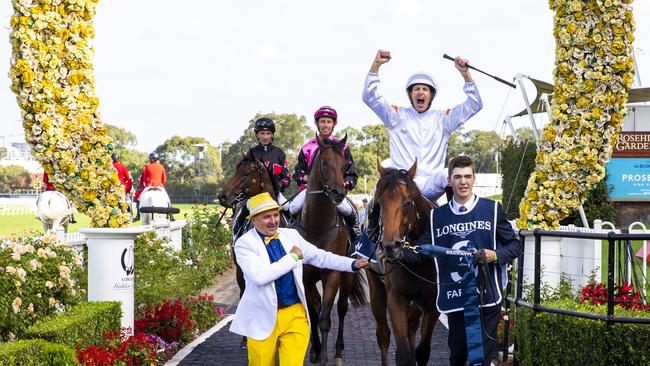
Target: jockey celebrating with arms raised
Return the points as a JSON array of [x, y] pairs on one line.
[[273, 159], [418, 132], [325, 119]]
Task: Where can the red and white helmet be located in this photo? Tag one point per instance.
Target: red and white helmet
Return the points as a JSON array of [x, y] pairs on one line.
[[325, 111]]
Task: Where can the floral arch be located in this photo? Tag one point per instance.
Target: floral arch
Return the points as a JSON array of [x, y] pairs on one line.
[[52, 76]]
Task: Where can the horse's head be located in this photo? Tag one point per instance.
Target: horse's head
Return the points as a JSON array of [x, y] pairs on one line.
[[396, 195], [247, 181], [328, 169]]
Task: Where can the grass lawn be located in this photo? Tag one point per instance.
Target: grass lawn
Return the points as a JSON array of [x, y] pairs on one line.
[[638, 264], [21, 224]]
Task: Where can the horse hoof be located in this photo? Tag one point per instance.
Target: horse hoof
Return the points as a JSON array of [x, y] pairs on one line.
[[339, 362]]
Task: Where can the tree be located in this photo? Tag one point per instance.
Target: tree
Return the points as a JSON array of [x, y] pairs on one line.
[[13, 177], [191, 164], [3, 152], [367, 147]]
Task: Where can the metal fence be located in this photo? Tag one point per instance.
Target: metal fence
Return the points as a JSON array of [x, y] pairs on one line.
[[620, 258]]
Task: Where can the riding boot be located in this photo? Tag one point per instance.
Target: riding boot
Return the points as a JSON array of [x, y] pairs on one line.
[[72, 220], [354, 228], [137, 211], [372, 229]]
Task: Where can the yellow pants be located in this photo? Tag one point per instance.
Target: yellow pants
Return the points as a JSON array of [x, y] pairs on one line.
[[291, 331]]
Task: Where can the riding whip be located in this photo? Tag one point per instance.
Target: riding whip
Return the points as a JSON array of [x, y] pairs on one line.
[[483, 72]]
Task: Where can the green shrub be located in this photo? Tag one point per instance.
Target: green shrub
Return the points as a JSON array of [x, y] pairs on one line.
[[36, 352], [81, 326], [515, 173], [39, 277], [554, 339], [205, 253]]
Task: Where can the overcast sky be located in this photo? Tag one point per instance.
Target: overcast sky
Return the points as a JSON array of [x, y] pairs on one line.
[[205, 68]]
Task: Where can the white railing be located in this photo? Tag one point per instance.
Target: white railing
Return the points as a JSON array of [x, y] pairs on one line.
[[14, 210]]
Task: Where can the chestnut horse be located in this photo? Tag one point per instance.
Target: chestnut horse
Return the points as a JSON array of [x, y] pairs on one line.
[[251, 178], [407, 288], [321, 225]]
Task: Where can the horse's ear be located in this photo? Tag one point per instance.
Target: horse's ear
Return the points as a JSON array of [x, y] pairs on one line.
[[344, 139], [380, 169], [243, 153], [412, 170]]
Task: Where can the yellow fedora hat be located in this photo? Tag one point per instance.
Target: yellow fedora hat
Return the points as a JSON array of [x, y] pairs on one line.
[[261, 203]]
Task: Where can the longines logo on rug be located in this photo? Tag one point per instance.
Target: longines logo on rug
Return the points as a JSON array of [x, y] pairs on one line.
[[127, 261], [463, 229]]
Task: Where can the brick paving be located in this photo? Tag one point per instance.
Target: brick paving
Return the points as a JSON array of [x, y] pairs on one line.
[[361, 349]]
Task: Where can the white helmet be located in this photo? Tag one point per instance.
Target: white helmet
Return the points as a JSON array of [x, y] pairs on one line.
[[422, 78]]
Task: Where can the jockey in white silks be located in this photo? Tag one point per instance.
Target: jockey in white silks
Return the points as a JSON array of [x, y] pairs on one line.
[[418, 132]]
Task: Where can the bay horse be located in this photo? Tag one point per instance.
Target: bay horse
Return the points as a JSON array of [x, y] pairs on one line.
[[251, 178], [321, 225], [406, 288]]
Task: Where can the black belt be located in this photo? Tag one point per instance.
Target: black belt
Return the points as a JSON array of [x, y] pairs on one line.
[[280, 306]]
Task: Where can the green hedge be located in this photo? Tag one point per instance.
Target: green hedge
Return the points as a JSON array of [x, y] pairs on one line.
[[83, 325], [36, 352], [554, 339]]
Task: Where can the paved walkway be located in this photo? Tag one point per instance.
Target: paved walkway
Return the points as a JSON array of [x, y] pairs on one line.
[[223, 347]]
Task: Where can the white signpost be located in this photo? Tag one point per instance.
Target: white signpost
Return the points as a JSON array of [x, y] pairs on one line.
[[111, 267]]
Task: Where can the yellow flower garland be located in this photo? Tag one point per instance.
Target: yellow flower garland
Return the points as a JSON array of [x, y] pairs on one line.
[[594, 71], [52, 76]]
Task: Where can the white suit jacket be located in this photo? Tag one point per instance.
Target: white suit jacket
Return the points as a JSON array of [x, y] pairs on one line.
[[257, 310]]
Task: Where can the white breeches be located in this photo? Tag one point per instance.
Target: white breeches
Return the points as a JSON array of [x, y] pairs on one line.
[[295, 206], [433, 184]]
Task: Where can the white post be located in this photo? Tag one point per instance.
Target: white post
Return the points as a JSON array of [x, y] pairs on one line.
[[111, 267]]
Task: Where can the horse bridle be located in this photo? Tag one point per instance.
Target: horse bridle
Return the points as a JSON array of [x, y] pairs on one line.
[[245, 193], [327, 191], [412, 220]]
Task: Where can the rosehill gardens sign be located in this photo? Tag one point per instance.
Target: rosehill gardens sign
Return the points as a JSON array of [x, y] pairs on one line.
[[629, 169]]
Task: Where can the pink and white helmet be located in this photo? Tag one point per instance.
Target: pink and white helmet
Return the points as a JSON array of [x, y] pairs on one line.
[[325, 111]]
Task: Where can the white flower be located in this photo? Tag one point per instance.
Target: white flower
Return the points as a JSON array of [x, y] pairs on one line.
[[16, 304]]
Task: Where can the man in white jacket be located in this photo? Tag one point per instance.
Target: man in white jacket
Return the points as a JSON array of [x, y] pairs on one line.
[[273, 307]]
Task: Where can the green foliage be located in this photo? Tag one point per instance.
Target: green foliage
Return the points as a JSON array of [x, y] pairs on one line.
[[81, 326], [190, 162], [205, 253], [3, 152], [517, 162], [481, 146], [40, 277], [567, 340], [36, 352], [367, 146], [121, 137], [13, 177]]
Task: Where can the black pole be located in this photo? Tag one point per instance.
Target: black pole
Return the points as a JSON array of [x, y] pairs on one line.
[[520, 284], [610, 278], [538, 268], [483, 72]]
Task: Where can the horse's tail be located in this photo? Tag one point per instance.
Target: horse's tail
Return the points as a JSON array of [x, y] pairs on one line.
[[358, 296]]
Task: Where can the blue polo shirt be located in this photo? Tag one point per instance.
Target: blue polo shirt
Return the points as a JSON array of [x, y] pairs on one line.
[[285, 286]]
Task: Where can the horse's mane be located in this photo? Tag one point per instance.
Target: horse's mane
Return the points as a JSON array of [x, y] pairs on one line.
[[336, 145], [392, 179]]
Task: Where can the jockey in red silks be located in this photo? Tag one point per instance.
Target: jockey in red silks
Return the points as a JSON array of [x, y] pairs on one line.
[[49, 186], [325, 119], [153, 175], [122, 173]]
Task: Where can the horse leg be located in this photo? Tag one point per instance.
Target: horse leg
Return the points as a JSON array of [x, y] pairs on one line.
[[397, 309], [423, 350], [378, 307], [347, 282], [331, 281], [310, 277], [414, 314]]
